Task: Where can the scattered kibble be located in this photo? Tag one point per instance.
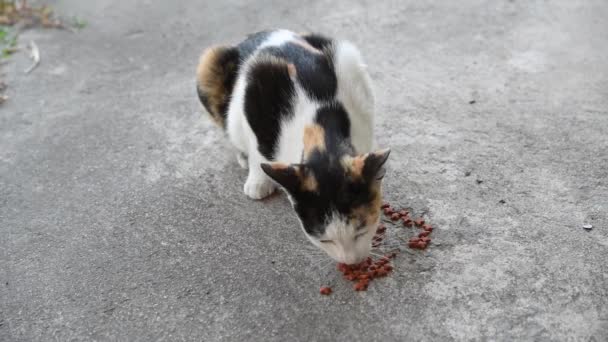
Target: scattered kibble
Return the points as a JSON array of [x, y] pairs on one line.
[[325, 290], [370, 269], [424, 233], [419, 222]]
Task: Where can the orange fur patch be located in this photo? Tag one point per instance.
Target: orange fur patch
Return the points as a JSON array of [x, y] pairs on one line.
[[354, 165], [291, 69], [279, 166], [314, 139], [210, 78], [309, 183], [370, 212]]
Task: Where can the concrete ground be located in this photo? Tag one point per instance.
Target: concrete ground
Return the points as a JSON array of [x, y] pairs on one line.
[[121, 208]]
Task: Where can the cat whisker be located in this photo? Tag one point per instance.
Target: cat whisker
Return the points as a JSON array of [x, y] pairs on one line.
[[321, 262]]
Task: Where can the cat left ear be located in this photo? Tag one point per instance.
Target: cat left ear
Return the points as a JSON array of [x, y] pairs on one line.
[[284, 174], [373, 165]]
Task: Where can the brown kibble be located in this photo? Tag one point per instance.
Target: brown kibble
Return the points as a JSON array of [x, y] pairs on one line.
[[385, 205], [325, 290], [388, 211], [388, 268], [395, 216], [404, 213], [363, 277], [381, 229], [382, 273], [421, 245], [425, 239], [360, 287], [350, 277], [419, 221], [427, 227], [408, 222], [381, 263], [424, 234], [414, 239]]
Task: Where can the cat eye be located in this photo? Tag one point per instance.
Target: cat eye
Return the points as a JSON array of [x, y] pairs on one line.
[[326, 241]]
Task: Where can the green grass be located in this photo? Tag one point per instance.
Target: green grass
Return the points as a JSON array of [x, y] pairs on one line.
[[8, 41], [78, 23]]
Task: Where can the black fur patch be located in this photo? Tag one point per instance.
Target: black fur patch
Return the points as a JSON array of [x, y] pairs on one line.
[[318, 41], [251, 43], [228, 63], [337, 192], [334, 120], [268, 101], [231, 62], [315, 71]]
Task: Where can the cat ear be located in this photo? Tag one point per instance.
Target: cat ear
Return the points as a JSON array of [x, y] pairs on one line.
[[373, 164], [288, 176]]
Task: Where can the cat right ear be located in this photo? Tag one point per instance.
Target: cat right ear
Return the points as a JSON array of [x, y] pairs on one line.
[[287, 176]]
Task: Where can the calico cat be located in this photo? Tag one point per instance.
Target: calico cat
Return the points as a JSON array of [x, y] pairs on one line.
[[299, 110]]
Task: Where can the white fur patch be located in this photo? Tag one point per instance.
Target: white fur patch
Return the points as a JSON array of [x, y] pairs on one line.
[[343, 246], [355, 93]]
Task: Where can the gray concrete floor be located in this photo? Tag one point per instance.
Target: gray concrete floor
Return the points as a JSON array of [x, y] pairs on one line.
[[122, 215]]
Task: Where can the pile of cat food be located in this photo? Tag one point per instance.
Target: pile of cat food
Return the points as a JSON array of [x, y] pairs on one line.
[[363, 273], [423, 239]]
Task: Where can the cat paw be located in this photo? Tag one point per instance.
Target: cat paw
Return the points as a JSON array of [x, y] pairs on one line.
[[258, 189], [241, 158]]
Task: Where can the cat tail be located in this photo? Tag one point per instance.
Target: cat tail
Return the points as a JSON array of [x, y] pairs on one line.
[[215, 77]]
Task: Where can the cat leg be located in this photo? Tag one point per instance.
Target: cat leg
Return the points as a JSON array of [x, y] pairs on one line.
[[241, 158], [258, 184]]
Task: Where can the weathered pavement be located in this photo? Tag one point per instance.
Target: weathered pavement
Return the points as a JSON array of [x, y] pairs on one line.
[[122, 215]]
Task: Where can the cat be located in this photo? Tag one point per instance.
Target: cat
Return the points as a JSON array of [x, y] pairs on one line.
[[299, 109]]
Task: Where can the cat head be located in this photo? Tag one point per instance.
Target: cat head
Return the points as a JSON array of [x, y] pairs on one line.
[[337, 199]]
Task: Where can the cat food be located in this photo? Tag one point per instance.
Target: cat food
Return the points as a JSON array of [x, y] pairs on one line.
[[325, 290], [367, 270], [360, 286], [370, 269]]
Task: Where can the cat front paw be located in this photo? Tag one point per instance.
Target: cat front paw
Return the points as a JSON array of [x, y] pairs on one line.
[[258, 188]]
